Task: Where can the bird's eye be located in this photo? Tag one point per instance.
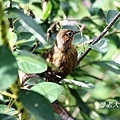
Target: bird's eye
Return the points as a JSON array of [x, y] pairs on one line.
[[70, 34]]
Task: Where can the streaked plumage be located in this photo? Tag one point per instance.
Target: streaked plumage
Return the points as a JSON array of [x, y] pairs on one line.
[[63, 55]]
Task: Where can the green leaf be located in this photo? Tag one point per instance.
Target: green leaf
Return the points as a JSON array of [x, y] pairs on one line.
[[57, 116], [115, 39], [25, 1], [115, 64], [30, 25], [6, 117], [79, 73], [80, 103], [12, 38], [110, 65], [79, 39], [25, 35], [101, 46], [117, 25], [79, 83], [34, 1], [47, 10], [110, 15], [37, 105], [8, 68], [85, 116], [30, 63], [26, 38], [4, 109], [33, 81], [96, 11], [50, 90]]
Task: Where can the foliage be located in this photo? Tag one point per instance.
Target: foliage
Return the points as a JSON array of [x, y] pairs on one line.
[[91, 91]]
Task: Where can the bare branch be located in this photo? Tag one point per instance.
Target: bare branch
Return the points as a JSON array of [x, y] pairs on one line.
[[61, 111], [100, 36]]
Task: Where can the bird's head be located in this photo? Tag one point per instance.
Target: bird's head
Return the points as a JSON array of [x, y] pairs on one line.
[[65, 38]]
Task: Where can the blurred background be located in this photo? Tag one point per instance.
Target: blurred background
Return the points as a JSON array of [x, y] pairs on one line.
[[95, 90]]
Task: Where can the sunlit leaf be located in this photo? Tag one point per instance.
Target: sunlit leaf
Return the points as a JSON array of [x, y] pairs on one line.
[[25, 1], [34, 81], [30, 63], [4, 109], [30, 25], [32, 1], [37, 105], [47, 10], [79, 83], [12, 38], [101, 46], [49, 90], [110, 65]]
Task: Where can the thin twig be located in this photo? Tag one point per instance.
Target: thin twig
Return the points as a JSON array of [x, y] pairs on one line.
[[100, 36], [61, 111]]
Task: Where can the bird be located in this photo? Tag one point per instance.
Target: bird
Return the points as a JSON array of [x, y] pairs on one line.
[[62, 56]]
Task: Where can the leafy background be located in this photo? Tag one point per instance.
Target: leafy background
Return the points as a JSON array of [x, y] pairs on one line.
[[92, 90]]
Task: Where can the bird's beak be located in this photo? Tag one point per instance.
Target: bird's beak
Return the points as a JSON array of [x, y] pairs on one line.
[[75, 32]]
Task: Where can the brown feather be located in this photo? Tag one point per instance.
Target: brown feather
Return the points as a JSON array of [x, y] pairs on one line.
[[62, 55]]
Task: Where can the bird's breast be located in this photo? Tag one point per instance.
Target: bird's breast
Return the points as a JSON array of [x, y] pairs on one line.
[[65, 61]]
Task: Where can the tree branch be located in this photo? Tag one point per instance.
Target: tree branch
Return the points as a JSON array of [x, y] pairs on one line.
[[100, 36], [61, 111]]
